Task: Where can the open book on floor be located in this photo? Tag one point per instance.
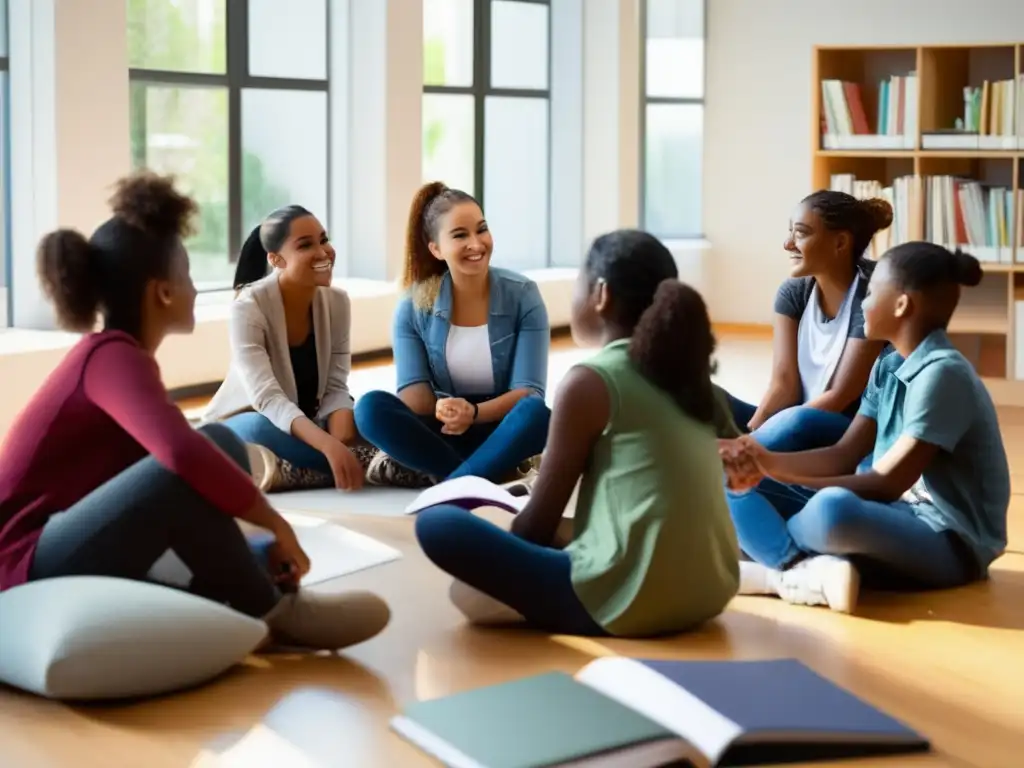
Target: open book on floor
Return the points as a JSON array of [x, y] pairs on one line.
[[618, 712], [468, 493]]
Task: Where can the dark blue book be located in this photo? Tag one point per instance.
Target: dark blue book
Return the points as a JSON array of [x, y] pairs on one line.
[[751, 712]]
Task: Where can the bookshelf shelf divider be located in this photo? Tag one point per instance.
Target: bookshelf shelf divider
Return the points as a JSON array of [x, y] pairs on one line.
[[938, 130]]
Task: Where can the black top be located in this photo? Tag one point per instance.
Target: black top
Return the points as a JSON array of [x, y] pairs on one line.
[[793, 295], [307, 374]]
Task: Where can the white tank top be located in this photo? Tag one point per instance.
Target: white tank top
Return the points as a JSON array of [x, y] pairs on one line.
[[820, 342], [468, 354]]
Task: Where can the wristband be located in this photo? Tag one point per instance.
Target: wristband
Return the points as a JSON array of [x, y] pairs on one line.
[[476, 411]]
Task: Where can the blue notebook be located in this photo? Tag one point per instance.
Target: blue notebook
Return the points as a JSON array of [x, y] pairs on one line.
[[751, 712]]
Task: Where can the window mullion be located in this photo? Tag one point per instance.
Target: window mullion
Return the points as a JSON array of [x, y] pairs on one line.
[[237, 71]]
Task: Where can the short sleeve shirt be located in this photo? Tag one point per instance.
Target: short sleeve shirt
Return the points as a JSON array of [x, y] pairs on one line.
[[794, 294], [934, 395]]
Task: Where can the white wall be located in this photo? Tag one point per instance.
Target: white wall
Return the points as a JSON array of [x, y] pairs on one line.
[[757, 156]]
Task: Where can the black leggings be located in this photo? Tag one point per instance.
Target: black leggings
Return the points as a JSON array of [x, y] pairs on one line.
[[125, 526]]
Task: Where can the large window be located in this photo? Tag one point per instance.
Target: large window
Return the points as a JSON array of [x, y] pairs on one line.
[[673, 117], [5, 232], [232, 97], [486, 122]]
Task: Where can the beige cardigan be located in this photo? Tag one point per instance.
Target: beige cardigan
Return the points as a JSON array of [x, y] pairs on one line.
[[260, 376]]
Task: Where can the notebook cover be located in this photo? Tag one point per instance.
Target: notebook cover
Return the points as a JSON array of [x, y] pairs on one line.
[[538, 721], [467, 493], [785, 697]]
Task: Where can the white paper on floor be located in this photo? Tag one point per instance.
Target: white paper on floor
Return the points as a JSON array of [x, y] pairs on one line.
[[374, 501], [334, 550]]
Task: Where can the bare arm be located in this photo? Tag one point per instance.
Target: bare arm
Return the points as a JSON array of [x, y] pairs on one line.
[[784, 388], [834, 461], [497, 408], [419, 398], [581, 412], [851, 376], [890, 477]]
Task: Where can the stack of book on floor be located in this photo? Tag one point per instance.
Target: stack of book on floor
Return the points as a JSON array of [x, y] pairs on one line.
[[620, 712]]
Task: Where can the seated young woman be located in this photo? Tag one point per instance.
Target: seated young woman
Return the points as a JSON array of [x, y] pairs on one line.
[[915, 494], [286, 389], [101, 474], [471, 352], [821, 359], [653, 550]]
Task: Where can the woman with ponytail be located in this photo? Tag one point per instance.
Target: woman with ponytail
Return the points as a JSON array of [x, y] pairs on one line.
[[102, 474], [653, 549], [286, 389], [471, 352], [915, 494], [821, 358]]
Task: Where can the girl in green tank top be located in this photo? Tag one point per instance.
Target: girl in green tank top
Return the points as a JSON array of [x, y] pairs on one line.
[[653, 549]]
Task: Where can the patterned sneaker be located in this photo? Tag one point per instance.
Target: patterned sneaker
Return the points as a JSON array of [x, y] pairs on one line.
[[384, 470], [294, 478], [526, 475]]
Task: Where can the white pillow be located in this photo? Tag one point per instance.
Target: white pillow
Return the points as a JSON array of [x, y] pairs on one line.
[[94, 637]]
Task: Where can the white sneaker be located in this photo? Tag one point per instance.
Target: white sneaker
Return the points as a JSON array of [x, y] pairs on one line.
[[821, 580], [757, 579]]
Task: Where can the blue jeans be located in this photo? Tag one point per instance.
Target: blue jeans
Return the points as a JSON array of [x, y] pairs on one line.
[[488, 450], [799, 428], [536, 581], [252, 427], [778, 524]]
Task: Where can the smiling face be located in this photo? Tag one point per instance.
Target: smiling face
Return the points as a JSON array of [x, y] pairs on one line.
[[306, 257], [463, 240], [813, 249]]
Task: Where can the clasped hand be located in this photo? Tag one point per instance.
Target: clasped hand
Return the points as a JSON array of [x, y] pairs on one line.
[[742, 459], [455, 413]]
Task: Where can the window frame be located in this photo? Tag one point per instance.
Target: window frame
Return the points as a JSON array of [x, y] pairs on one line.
[[236, 79], [647, 101], [481, 89]]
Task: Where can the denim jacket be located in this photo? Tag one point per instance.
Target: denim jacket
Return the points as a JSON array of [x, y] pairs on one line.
[[517, 324]]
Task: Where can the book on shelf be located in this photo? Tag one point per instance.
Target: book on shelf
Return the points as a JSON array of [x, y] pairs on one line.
[[624, 712], [971, 215], [845, 123], [904, 195], [991, 119]]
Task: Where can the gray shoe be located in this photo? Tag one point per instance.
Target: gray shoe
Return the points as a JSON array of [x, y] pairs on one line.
[[325, 621]]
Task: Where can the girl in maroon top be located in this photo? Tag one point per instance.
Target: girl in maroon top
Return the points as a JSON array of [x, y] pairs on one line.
[[101, 474]]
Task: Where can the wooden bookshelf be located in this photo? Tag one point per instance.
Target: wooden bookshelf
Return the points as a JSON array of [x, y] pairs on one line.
[[940, 128]]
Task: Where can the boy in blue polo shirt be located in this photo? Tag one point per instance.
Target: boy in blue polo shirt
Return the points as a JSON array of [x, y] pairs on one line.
[[928, 507]]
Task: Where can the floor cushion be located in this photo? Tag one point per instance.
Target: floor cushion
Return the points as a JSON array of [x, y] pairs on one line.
[[94, 637]]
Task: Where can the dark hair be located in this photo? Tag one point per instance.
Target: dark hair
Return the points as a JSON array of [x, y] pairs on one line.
[[109, 272], [671, 342], [921, 266], [267, 237], [841, 212], [432, 202]]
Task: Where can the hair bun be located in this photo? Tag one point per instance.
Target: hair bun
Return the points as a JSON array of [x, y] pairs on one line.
[[966, 269], [879, 210], [150, 202]]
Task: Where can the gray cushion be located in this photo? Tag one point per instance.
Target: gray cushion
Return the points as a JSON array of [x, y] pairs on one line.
[[93, 637]]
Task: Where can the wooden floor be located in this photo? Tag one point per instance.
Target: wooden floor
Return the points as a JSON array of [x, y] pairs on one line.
[[949, 663]]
